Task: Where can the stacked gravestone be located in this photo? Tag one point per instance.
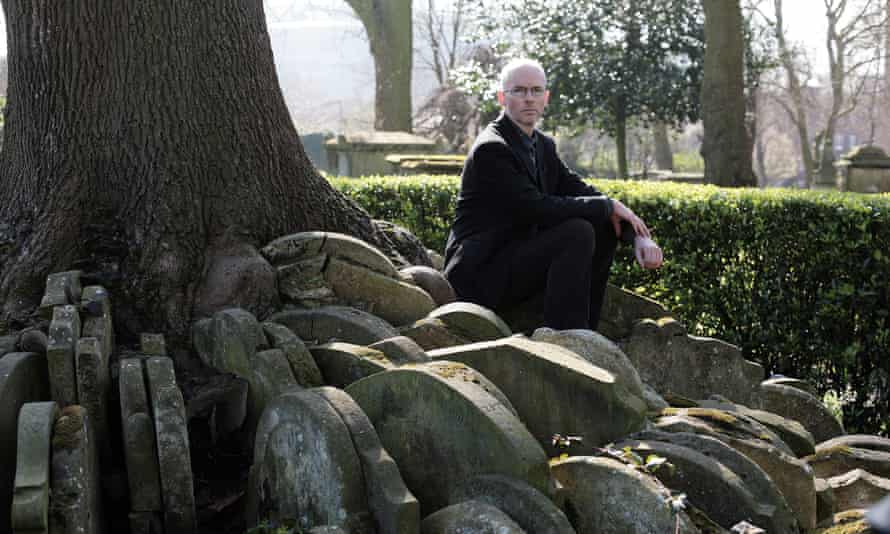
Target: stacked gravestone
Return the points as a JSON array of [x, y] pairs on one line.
[[30, 503], [174, 458], [323, 268], [22, 379]]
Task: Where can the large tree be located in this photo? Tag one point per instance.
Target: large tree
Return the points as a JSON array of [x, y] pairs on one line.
[[142, 141], [389, 29], [726, 147]]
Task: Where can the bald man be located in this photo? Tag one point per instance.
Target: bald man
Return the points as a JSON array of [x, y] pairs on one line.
[[525, 223]]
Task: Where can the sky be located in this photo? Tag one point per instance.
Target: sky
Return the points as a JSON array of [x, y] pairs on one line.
[[326, 71]]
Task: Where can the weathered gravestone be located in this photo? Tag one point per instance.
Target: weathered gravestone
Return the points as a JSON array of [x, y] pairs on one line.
[[605, 496], [554, 391], [675, 363], [791, 432], [61, 289], [305, 467], [174, 458], [64, 331], [471, 321], [140, 445], [442, 428], [93, 386], [470, 516], [431, 281], [302, 365], [335, 323], [401, 350], [710, 485], [342, 364], [76, 501], [857, 489], [529, 508], [798, 405], [30, 502], [793, 478], [432, 334], [771, 502], [23, 379], [831, 462]]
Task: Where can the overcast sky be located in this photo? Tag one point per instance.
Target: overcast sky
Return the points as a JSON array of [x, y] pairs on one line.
[[806, 21]]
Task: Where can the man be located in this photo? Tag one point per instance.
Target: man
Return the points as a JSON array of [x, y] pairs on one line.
[[525, 222]]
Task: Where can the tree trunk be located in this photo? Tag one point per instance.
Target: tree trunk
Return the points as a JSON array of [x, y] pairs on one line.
[[664, 158], [726, 147], [621, 138], [388, 25], [138, 135]]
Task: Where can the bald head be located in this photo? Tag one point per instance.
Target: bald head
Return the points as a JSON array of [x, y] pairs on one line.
[[516, 65]]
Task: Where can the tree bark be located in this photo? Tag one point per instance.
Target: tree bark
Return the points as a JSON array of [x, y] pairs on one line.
[[388, 25], [664, 158], [726, 147], [138, 135], [621, 138]]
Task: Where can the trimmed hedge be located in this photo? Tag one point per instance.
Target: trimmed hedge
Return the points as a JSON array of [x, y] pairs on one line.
[[797, 279]]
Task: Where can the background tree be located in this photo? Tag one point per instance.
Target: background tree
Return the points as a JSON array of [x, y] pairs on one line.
[[853, 42], [608, 63], [143, 144], [389, 27], [726, 146]]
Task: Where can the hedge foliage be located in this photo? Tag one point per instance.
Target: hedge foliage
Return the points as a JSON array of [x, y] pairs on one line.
[[797, 279]]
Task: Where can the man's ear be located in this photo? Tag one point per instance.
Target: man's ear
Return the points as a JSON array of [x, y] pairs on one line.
[[501, 97], [546, 97]]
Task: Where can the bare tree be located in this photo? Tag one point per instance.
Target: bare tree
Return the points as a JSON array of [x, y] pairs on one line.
[[440, 30], [853, 40]]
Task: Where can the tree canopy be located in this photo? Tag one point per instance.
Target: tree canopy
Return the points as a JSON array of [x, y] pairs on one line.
[[607, 62]]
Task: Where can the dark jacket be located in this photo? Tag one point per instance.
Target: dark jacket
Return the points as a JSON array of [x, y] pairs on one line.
[[502, 202]]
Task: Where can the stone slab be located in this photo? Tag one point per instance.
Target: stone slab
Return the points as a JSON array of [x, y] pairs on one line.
[[471, 321], [535, 375], [708, 483], [342, 364], [30, 502], [387, 297], [596, 349], [675, 363], [798, 405], [432, 334], [791, 432], [174, 458], [860, 441], [442, 428], [76, 503], [96, 303], [793, 478], [857, 489], [606, 496], [23, 379], [393, 506], [61, 288], [302, 365], [836, 461], [431, 281], [93, 388], [779, 517], [529, 508], [64, 331], [152, 344], [140, 444], [305, 467], [335, 323], [471, 516], [33, 340], [401, 350]]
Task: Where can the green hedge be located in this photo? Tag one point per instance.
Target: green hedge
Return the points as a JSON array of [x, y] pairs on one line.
[[797, 279]]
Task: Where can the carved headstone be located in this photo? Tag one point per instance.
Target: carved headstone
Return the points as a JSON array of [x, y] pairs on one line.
[[64, 331], [30, 503]]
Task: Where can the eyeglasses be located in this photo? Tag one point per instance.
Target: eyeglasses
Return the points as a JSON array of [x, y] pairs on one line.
[[523, 92]]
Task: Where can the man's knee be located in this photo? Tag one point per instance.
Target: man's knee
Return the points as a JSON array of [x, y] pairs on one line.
[[577, 233]]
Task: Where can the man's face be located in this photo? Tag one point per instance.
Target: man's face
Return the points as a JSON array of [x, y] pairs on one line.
[[519, 100]]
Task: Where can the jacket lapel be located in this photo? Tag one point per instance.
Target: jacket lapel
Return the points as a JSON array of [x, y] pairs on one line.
[[513, 137]]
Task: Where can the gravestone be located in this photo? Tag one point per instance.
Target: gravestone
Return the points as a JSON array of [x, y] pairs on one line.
[[140, 444], [442, 428], [554, 391], [174, 459], [30, 502], [470, 516], [23, 379], [76, 503], [93, 385], [305, 467], [335, 323], [64, 331]]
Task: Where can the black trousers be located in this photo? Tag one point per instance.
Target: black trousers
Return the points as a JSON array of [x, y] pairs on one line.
[[570, 262]]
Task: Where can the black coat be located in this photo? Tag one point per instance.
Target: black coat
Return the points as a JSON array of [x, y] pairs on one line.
[[502, 202]]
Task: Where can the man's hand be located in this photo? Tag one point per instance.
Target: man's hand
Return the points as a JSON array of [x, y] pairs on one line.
[[648, 254], [620, 212]]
